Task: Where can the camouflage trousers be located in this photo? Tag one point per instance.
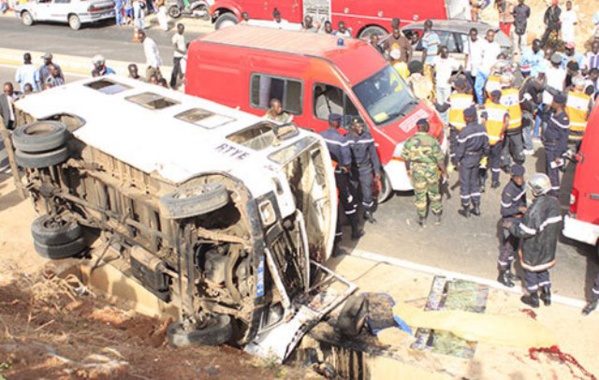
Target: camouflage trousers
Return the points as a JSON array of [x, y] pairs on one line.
[[426, 183]]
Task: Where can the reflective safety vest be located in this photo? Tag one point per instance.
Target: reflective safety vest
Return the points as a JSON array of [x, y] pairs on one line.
[[458, 102], [493, 83], [510, 97], [577, 108], [496, 114]]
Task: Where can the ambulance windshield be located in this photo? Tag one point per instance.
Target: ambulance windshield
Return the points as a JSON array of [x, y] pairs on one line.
[[385, 96]]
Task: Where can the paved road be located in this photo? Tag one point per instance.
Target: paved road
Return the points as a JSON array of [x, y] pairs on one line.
[[463, 245], [111, 41]]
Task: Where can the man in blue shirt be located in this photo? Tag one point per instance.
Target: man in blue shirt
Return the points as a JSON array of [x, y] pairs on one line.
[[430, 43], [533, 58], [27, 74]]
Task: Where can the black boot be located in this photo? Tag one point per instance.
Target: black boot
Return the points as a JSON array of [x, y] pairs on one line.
[[588, 309], [356, 231], [438, 218], [546, 295], [369, 217], [495, 184], [531, 299], [465, 211], [476, 210], [421, 221], [505, 278]]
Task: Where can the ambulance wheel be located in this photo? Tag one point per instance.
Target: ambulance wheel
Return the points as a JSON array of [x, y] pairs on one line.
[[199, 200], [41, 160], [215, 332], [371, 30], [225, 20], [386, 189], [40, 136]]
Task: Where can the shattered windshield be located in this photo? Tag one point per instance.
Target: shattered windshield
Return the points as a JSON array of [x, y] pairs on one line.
[[385, 96]]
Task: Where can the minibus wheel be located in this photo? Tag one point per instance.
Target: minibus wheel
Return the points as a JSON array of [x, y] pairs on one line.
[[41, 160], [54, 231], [190, 202], [40, 136], [215, 332], [60, 251]]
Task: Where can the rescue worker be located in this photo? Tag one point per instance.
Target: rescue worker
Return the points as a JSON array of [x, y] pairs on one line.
[[473, 144], [496, 118], [459, 100], [578, 106], [555, 140], [513, 143], [539, 230], [366, 164], [424, 159], [513, 207], [588, 309], [340, 152]]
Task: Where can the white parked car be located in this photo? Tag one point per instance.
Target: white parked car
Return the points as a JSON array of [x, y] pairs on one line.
[[73, 12]]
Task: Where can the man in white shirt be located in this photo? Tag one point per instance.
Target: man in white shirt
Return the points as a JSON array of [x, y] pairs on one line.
[[556, 79], [444, 67], [490, 52], [153, 59], [474, 56], [180, 50], [7, 98], [569, 20], [27, 74]]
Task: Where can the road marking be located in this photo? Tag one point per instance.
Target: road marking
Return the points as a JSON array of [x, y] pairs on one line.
[[442, 272]]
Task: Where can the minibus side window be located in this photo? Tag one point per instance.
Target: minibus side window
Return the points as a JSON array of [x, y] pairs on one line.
[[330, 99], [263, 88]]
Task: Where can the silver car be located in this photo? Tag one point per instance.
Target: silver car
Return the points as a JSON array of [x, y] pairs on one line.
[[454, 35], [73, 12]]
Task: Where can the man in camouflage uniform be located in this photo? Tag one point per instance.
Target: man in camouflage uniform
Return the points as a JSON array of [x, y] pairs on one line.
[[424, 158]]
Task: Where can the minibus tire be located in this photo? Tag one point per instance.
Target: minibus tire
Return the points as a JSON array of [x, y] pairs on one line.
[[60, 251], [217, 333], [224, 18], [352, 317], [187, 203], [40, 136], [41, 160], [386, 189], [46, 231]]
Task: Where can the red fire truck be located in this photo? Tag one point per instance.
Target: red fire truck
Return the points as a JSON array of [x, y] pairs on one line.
[[363, 17]]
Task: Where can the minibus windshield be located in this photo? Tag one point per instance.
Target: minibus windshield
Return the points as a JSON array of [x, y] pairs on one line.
[[385, 96]]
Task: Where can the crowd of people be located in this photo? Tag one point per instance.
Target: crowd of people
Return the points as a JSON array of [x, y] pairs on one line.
[[498, 109]]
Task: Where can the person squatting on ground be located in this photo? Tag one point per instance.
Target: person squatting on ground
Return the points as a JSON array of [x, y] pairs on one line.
[[424, 159], [513, 207], [496, 118], [366, 165], [555, 141], [340, 152], [539, 230], [473, 144]]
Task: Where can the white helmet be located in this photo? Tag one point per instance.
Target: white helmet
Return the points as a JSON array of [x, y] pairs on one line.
[[539, 184], [98, 59]]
